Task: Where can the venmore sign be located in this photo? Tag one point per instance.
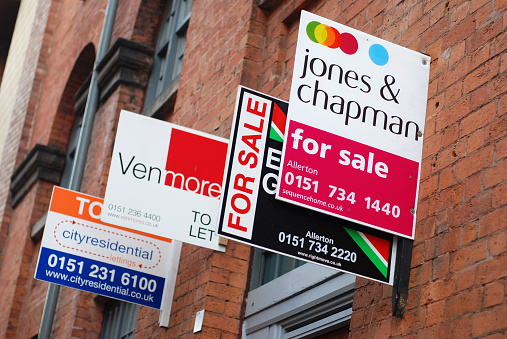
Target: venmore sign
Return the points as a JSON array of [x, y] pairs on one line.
[[250, 213], [355, 127], [165, 180], [80, 251]]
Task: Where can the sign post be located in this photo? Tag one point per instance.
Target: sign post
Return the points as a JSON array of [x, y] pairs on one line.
[[80, 251], [355, 127], [250, 213]]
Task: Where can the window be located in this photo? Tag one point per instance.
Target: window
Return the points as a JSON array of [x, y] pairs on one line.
[[268, 266], [71, 153], [169, 50], [119, 320]]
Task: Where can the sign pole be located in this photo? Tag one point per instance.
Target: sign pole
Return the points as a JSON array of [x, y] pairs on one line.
[[401, 276]]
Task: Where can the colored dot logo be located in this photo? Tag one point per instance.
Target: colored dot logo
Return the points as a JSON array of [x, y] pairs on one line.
[[330, 37]]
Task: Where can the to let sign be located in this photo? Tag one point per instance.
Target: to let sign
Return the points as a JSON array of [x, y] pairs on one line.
[[165, 180], [81, 252], [355, 127]]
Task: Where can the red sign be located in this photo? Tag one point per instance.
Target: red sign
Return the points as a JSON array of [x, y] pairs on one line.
[[346, 178], [188, 163]]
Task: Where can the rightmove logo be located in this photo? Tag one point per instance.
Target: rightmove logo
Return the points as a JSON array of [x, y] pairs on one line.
[[330, 37]]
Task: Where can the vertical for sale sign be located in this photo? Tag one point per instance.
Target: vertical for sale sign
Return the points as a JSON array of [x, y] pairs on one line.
[[355, 127]]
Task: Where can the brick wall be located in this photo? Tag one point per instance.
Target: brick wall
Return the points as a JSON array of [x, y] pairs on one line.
[[457, 284]]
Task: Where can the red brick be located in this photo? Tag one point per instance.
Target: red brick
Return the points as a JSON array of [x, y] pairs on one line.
[[475, 140], [435, 313], [475, 162], [477, 119], [469, 233], [450, 135], [493, 221], [501, 149], [490, 321], [474, 6], [497, 86], [456, 73], [459, 32], [447, 177], [485, 34], [493, 269], [498, 243], [462, 328], [428, 187], [463, 303], [458, 52], [437, 290], [434, 32], [494, 293], [472, 208], [420, 275], [481, 75], [455, 112], [440, 266], [468, 255], [466, 279], [473, 186], [448, 198], [496, 129], [479, 97], [496, 174]]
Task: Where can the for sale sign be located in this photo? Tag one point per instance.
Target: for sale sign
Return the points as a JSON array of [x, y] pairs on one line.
[[165, 180], [250, 213], [80, 251], [355, 130]]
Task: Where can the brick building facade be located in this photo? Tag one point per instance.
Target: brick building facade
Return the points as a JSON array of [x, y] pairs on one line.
[[457, 286]]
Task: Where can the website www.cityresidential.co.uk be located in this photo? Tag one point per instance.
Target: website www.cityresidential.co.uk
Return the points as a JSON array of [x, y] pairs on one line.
[[76, 279]]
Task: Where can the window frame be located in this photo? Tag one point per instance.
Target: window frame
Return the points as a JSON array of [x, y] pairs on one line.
[[309, 300], [168, 56]]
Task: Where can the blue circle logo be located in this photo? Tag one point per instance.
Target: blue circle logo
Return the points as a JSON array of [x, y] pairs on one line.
[[378, 54]]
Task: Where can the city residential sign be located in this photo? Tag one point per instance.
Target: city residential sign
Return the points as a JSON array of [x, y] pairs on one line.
[[250, 213], [80, 251], [166, 180], [355, 127]]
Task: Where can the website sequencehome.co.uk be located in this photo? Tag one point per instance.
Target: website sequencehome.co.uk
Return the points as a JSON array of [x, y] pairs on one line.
[[312, 200]]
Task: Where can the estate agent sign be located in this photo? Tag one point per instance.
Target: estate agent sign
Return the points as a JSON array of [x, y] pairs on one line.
[[355, 127], [250, 213], [166, 180], [80, 251]]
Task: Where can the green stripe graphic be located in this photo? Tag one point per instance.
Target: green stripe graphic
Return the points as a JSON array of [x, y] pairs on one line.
[[273, 134], [368, 251]]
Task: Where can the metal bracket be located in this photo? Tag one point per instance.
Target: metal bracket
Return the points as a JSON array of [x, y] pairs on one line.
[[401, 276]]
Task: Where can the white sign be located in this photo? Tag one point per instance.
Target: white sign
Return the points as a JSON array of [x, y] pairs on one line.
[[166, 180], [355, 126], [81, 252]]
